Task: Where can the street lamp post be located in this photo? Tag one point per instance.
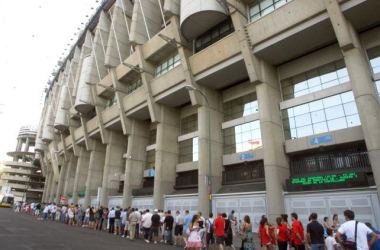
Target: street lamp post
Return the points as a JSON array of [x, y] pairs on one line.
[[209, 178]]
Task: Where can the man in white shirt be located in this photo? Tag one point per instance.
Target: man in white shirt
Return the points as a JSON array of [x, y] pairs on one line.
[[45, 212], [111, 218], [86, 217], [348, 228], [137, 234], [63, 214], [210, 234], [53, 211], [146, 224]]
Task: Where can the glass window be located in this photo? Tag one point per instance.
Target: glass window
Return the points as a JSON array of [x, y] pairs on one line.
[[168, 65], [213, 35], [189, 124], [111, 102], [152, 136], [242, 138], [132, 87], [150, 159], [378, 87], [264, 7], [323, 77], [329, 114], [241, 107], [188, 150], [374, 58]]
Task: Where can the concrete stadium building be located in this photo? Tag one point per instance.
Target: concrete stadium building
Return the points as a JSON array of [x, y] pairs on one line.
[[262, 107], [22, 177]]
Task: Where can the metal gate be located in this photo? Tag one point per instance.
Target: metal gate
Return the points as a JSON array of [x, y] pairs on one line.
[[365, 204], [114, 201], [181, 203], [143, 203]]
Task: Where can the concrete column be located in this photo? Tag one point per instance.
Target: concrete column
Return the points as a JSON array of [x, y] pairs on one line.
[[138, 140], [53, 191], [19, 145], [363, 86], [70, 177], [46, 187], [166, 154], [216, 109], [113, 165], [95, 171], [27, 144], [61, 181], [269, 96], [81, 173], [49, 186]]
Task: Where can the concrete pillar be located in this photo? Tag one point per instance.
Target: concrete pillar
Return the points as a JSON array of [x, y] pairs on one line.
[[113, 165], [46, 187], [168, 131], [27, 142], [138, 140], [49, 185], [216, 109], [268, 94], [95, 171], [61, 181], [19, 145], [69, 177], [363, 86], [81, 173], [53, 191]]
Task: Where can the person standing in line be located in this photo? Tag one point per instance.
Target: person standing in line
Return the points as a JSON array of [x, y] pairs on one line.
[[162, 223], [228, 239], [232, 219], [37, 212], [117, 220], [178, 230], [326, 225], [210, 230], [335, 222], [146, 224], [186, 225], [194, 242], [264, 235], [350, 226], [86, 217], [330, 242], [137, 231], [315, 233], [70, 213], [98, 218], [247, 230], [155, 225], [45, 212], [124, 221], [168, 226], [111, 218], [376, 245], [133, 219], [104, 219], [92, 218], [80, 216], [63, 214], [298, 235], [53, 210], [219, 225], [58, 214], [282, 227]]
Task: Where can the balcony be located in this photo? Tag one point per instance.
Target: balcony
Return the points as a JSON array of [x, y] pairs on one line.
[[68, 141], [60, 146], [136, 106], [110, 114], [79, 133], [104, 92], [18, 164], [219, 64], [247, 172], [92, 125], [157, 49], [126, 74], [187, 180], [13, 185], [14, 178], [167, 80], [16, 171], [331, 162]]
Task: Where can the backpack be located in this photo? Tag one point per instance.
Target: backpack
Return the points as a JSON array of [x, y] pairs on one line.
[[212, 229]]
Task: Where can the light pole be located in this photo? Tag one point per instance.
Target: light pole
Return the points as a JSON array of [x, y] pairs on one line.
[[209, 178]]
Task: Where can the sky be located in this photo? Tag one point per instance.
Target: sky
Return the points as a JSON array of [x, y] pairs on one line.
[[34, 35]]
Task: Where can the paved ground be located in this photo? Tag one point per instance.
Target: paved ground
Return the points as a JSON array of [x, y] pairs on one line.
[[25, 232]]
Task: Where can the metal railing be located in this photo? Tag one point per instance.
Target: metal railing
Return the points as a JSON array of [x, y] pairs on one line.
[[187, 179], [244, 173], [332, 161]]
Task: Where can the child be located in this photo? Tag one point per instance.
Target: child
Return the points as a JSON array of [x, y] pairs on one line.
[[330, 241]]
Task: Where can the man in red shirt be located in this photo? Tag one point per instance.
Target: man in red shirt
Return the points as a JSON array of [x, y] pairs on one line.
[[219, 225], [298, 235]]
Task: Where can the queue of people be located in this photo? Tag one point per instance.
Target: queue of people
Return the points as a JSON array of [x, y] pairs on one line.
[[196, 232]]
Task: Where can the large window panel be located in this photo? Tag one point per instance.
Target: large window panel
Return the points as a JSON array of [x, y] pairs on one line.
[[167, 65], [112, 101], [329, 114], [242, 138], [132, 87], [241, 107], [265, 7], [323, 77], [374, 58], [189, 124], [150, 159], [188, 150]]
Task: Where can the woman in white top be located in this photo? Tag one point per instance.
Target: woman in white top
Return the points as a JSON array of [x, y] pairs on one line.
[[70, 213]]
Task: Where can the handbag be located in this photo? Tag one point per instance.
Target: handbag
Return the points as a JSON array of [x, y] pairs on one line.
[[228, 230], [349, 245]]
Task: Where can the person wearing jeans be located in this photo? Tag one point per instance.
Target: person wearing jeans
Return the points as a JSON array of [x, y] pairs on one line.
[[45, 212], [315, 233]]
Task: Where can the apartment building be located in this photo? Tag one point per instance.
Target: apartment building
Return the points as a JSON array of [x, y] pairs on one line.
[[22, 177], [262, 107]]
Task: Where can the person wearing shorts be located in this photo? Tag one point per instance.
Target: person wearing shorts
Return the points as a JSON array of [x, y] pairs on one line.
[[178, 230], [219, 225], [153, 232], [209, 234]]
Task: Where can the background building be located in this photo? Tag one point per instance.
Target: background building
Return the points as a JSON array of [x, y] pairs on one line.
[[22, 177], [262, 107]]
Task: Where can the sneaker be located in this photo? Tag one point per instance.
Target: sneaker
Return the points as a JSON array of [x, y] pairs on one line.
[[161, 241], [155, 242], [123, 236], [114, 233], [147, 241], [127, 237]]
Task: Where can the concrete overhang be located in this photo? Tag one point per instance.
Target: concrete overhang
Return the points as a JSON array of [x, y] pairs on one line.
[[13, 154], [140, 112], [174, 97], [114, 125], [95, 134], [315, 32], [224, 74]]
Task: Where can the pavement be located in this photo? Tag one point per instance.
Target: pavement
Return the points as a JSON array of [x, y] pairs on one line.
[[24, 232]]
